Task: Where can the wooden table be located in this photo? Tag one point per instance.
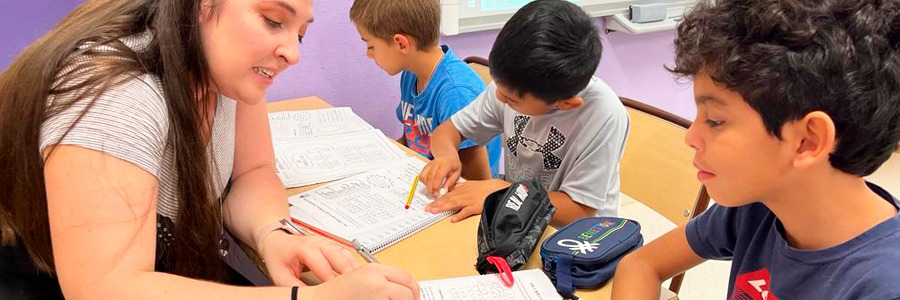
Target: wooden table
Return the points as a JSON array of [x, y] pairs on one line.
[[444, 249]]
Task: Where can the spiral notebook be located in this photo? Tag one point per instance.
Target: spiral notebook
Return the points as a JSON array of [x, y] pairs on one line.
[[367, 207]]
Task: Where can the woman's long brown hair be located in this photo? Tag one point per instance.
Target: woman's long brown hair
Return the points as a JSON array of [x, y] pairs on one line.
[[175, 55]]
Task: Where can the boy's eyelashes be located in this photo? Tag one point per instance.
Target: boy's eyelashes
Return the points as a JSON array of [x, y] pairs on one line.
[[507, 99], [714, 123]]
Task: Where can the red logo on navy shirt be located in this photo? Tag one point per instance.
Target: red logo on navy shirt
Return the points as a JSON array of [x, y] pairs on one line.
[[753, 286]]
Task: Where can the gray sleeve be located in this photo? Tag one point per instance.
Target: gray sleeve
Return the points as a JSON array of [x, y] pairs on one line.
[[593, 179], [128, 121], [481, 120]]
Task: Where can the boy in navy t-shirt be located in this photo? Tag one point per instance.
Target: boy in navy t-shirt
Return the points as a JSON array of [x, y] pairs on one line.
[[797, 101], [402, 36]]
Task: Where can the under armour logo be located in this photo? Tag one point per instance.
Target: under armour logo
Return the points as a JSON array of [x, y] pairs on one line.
[[583, 246], [555, 140], [519, 125]]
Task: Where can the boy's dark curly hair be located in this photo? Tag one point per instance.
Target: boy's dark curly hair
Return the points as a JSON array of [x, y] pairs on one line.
[[788, 58]]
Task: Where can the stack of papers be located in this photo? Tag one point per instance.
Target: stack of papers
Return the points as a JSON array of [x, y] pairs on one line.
[[312, 123], [315, 146]]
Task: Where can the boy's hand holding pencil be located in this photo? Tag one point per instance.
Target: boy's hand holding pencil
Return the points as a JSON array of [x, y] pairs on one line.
[[441, 174]]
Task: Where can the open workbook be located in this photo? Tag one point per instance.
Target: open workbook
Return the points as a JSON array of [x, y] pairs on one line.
[[529, 284], [367, 207]]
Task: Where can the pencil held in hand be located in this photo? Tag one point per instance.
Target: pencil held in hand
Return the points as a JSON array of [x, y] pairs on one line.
[[362, 251], [412, 191]]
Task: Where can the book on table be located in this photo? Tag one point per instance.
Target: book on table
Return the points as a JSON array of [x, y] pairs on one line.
[[367, 207]]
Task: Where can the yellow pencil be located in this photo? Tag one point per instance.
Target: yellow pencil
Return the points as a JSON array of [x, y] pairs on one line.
[[412, 191]]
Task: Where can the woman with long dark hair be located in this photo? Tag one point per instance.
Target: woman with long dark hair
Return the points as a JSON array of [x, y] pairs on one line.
[[119, 132]]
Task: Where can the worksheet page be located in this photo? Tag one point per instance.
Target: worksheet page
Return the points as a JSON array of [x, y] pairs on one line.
[[313, 123], [529, 284], [305, 161]]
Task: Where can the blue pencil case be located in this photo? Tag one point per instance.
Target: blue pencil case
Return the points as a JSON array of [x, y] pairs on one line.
[[584, 254]]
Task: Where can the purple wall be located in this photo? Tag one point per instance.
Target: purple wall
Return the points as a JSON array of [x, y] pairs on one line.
[[22, 22], [334, 67]]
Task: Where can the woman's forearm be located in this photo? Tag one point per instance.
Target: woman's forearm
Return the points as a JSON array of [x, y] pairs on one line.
[[257, 198]]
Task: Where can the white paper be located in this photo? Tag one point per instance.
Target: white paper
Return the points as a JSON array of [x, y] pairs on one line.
[[368, 207], [305, 161], [529, 284], [313, 123]]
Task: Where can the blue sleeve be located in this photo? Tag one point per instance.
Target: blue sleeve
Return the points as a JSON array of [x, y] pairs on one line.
[[712, 234], [452, 101]]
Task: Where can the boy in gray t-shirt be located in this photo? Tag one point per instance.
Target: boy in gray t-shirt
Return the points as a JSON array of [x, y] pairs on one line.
[[560, 125]]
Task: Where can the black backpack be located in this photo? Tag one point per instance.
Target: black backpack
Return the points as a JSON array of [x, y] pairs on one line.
[[512, 223]]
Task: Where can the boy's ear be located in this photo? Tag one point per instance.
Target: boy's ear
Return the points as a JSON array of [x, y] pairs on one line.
[[571, 103], [403, 42], [815, 139]]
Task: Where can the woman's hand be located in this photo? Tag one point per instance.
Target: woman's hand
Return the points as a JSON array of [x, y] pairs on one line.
[[286, 256], [371, 281]]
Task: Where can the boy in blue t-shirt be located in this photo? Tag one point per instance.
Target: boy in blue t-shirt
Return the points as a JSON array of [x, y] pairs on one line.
[[797, 101], [402, 36]]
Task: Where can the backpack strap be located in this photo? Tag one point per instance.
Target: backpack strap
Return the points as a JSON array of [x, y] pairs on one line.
[[505, 272], [564, 284]]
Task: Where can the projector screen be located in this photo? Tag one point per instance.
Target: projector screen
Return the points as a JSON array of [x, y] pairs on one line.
[[460, 16]]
